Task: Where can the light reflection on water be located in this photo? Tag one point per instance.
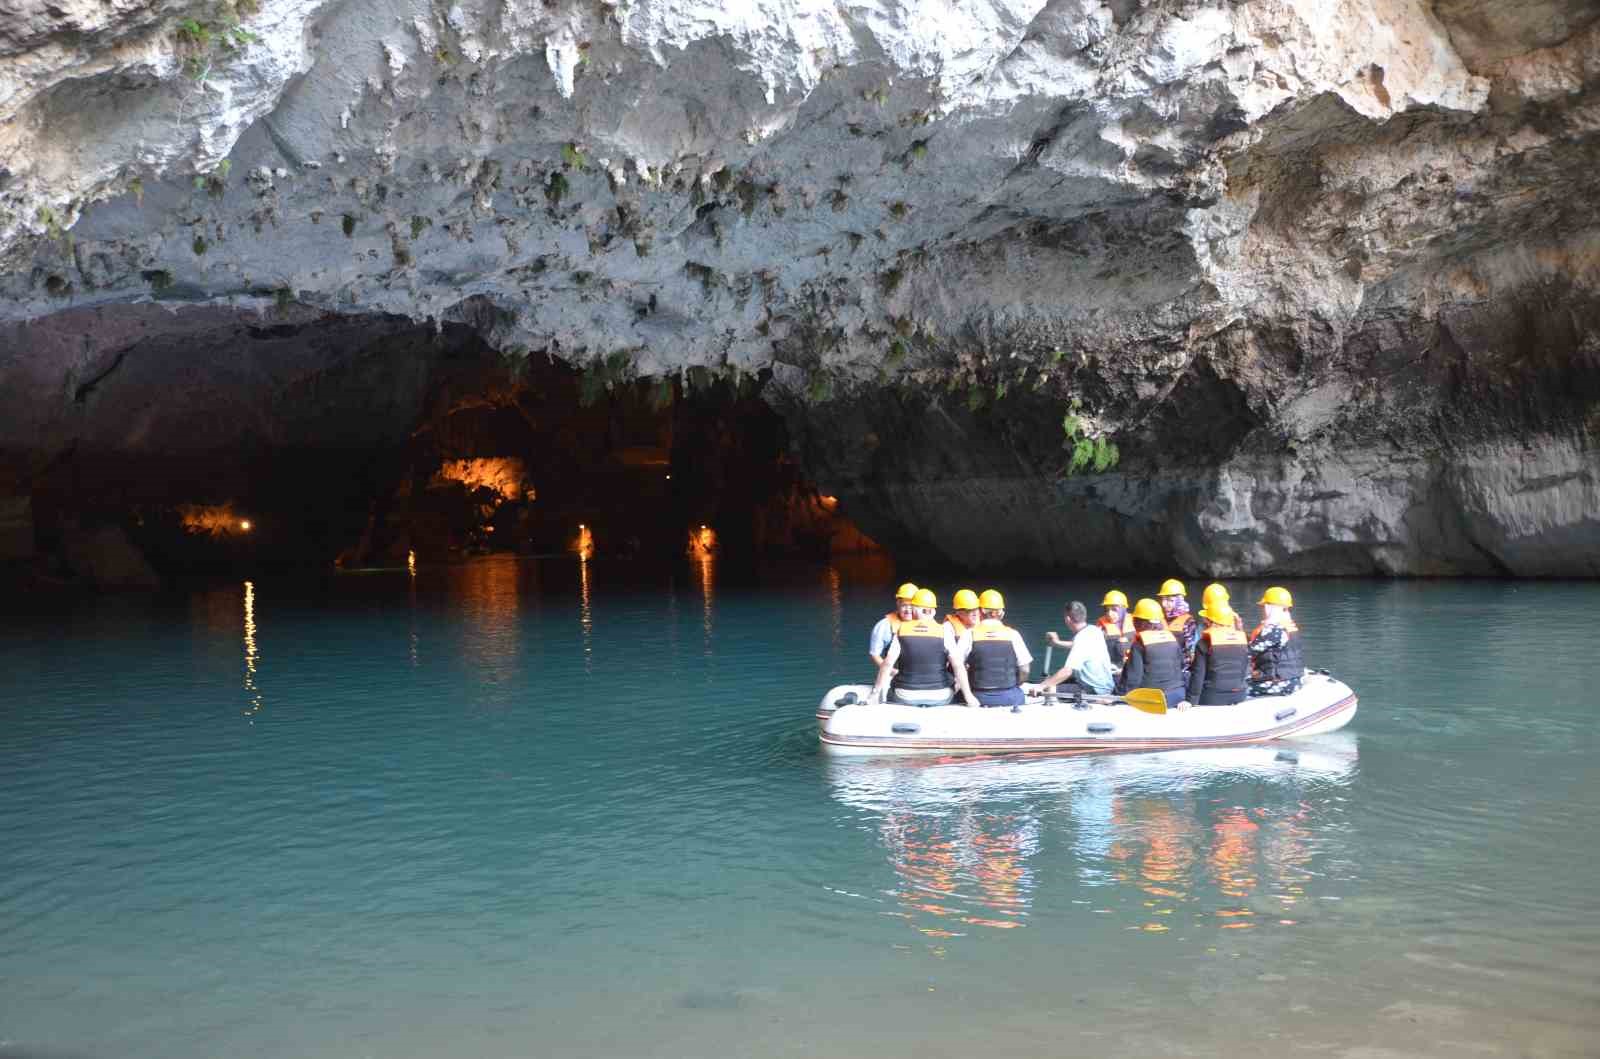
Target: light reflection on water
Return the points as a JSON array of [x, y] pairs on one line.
[[961, 835], [636, 848], [253, 699]]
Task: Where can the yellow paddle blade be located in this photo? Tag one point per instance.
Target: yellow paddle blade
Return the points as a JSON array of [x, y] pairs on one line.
[[1150, 700]]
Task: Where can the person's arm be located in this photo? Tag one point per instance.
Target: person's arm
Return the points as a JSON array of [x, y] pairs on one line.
[[955, 651], [1132, 673], [1268, 638], [885, 671], [1024, 656], [1197, 675], [878, 642], [1060, 675]]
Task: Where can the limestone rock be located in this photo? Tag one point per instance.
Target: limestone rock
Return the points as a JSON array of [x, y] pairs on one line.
[[1277, 285]]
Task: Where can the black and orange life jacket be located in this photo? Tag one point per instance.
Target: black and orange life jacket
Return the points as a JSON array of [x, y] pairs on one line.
[[1163, 662], [1227, 666], [992, 660], [923, 664], [1118, 640], [957, 626], [1281, 663]]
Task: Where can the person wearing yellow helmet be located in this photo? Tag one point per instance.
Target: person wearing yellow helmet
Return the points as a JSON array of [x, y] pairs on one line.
[[1277, 656], [1116, 625], [1156, 659], [997, 659], [1215, 594], [921, 664], [1221, 672], [1180, 623], [883, 632], [963, 612]]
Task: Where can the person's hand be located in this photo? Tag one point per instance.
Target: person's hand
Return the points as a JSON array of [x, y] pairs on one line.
[[1184, 705], [1032, 689], [1053, 640], [972, 701]]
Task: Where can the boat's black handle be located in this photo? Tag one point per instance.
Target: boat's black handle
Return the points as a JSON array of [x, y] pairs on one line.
[[905, 728], [1284, 715], [1101, 728]]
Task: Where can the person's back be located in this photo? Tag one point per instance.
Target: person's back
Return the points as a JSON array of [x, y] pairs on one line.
[[1220, 675], [1275, 646], [1156, 660], [997, 660], [921, 661]]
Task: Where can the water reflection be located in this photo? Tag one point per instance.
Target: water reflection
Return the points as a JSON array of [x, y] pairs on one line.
[[1225, 838], [836, 605], [706, 569], [252, 691], [490, 591], [585, 615]]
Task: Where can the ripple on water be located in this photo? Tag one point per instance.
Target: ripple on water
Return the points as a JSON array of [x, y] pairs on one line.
[[517, 811]]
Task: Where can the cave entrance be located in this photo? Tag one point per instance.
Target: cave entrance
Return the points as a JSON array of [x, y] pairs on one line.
[[212, 438], [557, 460]]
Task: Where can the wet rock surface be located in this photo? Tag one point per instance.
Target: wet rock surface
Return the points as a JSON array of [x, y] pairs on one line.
[[1274, 286]]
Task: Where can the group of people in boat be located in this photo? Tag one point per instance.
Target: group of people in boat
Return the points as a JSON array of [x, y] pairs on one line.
[[973, 655]]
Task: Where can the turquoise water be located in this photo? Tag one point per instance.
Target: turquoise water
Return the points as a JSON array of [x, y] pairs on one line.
[[539, 809]]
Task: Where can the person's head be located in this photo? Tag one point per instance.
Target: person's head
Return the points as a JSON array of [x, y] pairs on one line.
[[925, 603], [965, 605], [1218, 614], [1275, 603], [992, 603], [1147, 614], [1076, 615], [1115, 604], [1213, 595], [902, 601]]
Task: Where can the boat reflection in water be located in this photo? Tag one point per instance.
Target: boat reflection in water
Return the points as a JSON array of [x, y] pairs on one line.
[[1225, 836]]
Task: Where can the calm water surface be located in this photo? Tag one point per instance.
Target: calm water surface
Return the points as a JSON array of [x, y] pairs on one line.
[[537, 809]]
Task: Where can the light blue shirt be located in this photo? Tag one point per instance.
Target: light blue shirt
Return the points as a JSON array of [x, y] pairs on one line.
[[1089, 660], [878, 645]]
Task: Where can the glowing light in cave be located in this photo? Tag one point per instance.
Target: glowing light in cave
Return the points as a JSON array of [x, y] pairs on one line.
[[505, 475], [584, 546], [411, 562], [702, 542], [829, 502], [214, 520]]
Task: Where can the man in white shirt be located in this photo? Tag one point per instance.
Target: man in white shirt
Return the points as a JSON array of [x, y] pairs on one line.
[[1088, 664], [922, 661]]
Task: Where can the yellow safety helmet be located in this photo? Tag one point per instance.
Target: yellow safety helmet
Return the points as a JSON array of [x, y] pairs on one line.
[[1219, 612], [965, 599], [905, 591], [1214, 594], [1172, 587], [1114, 598], [1278, 597], [992, 600], [925, 598], [1149, 610]]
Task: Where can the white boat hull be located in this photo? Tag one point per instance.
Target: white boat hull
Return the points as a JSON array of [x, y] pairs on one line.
[[1101, 725]]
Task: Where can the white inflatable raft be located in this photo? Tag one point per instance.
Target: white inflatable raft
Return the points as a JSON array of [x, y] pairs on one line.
[[849, 725]]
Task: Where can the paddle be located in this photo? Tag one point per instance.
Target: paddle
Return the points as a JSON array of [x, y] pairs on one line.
[[1150, 700]]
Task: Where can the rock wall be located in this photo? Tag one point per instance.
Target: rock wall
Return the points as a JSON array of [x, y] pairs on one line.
[[1278, 285]]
